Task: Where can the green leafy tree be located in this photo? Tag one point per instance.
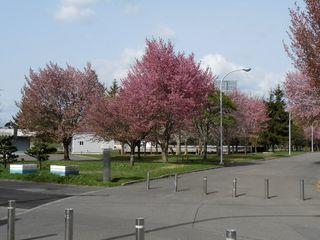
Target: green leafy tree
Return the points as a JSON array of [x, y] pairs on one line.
[[208, 122], [277, 130], [7, 150], [297, 137], [40, 151], [114, 89]]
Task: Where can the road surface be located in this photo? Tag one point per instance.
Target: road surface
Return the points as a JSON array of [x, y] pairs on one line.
[[109, 213]]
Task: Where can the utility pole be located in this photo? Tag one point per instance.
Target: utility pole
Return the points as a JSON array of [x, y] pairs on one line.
[[289, 133]]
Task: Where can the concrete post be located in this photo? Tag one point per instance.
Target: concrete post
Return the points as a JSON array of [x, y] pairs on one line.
[[234, 188], [11, 220], [140, 228], [231, 234], [106, 165], [68, 233], [205, 186], [302, 190], [148, 180], [176, 182], [266, 188]]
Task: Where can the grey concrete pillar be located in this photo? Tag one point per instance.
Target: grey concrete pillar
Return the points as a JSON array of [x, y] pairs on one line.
[[106, 165]]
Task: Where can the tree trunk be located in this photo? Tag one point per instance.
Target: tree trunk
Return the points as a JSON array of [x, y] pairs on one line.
[[178, 146], [139, 149], [229, 149], [66, 144], [122, 149], [200, 147], [205, 149], [132, 151], [185, 147], [164, 151], [144, 148], [4, 157]]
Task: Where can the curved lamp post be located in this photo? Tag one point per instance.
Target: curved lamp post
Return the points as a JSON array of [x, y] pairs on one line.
[[221, 126]]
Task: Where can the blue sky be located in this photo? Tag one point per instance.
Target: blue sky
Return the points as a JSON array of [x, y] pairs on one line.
[[111, 34]]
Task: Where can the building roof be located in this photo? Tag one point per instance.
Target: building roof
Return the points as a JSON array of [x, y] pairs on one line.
[[10, 132]]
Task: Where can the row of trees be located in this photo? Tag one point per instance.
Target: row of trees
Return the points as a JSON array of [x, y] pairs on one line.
[[166, 97]]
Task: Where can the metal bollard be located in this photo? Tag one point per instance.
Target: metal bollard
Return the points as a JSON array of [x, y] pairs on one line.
[[205, 186], [68, 220], [302, 190], [176, 182], [266, 188], [140, 228], [234, 189], [231, 234], [148, 180], [11, 220]]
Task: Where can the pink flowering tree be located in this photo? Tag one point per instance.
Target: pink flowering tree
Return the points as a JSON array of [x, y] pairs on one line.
[[167, 89], [303, 99], [251, 116], [116, 118], [55, 101]]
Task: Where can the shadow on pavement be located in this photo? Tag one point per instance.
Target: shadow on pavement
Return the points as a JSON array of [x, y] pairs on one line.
[[39, 237], [207, 220]]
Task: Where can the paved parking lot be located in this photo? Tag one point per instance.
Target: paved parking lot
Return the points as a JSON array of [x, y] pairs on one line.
[[29, 195], [109, 213]]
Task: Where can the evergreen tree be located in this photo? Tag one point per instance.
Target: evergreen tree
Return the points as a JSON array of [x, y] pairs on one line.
[[40, 151], [277, 130], [114, 89], [7, 150]]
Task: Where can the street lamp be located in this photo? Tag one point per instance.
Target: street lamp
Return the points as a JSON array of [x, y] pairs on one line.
[[221, 126]]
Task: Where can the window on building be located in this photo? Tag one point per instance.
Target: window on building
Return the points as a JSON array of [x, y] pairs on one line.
[[81, 143]]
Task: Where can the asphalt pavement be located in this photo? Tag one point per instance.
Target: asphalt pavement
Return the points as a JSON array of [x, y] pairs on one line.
[[109, 213]]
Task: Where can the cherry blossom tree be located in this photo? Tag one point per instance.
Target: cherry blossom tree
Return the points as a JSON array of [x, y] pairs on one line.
[[303, 99], [304, 48], [55, 101], [251, 116], [168, 89]]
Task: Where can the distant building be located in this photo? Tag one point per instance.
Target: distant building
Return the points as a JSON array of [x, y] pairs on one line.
[[87, 144], [22, 141]]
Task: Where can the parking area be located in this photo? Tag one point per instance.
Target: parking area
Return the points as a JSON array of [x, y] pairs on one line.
[[29, 195]]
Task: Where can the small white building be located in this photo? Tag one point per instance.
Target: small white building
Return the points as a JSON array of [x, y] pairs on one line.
[[88, 144], [22, 141]]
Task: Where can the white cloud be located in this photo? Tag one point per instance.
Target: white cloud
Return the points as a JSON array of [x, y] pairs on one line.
[[165, 32], [108, 69], [71, 10], [131, 8], [257, 81]]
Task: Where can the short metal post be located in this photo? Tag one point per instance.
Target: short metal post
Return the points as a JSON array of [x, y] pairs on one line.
[[266, 188], [148, 180], [176, 182], [234, 189], [302, 190], [11, 220], [140, 228], [205, 186], [68, 233], [231, 234]]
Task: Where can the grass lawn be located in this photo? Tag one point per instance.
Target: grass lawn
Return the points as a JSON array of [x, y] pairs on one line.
[[122, 172]]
